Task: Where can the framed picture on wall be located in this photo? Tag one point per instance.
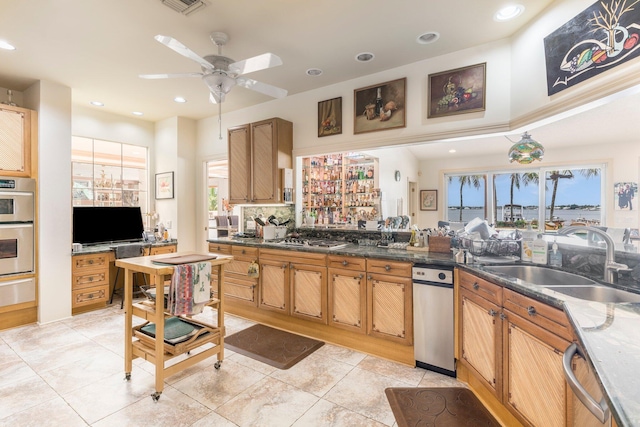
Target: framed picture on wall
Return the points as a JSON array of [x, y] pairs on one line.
[[380, 107], [457, 91], [428, 200], [164, 185], [330, 117]]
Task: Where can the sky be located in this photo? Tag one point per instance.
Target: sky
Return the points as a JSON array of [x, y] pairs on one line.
[[577, 190]]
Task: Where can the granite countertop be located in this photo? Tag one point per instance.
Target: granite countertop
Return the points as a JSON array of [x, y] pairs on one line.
[[611, 344], [108, 247]]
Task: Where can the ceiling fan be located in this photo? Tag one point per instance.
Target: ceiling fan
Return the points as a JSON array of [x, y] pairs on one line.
[[220, 73]]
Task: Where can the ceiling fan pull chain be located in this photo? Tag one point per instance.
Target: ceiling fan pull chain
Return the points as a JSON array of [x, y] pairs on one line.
[[220, 120]]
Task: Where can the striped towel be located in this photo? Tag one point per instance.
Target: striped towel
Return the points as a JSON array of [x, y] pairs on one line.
[[190, 288]]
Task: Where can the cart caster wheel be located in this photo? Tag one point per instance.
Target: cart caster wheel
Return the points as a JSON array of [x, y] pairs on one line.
[[217, 364], [155, 396], [127, 376]]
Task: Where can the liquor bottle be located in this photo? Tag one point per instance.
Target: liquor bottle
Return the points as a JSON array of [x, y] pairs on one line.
[[379, 102]]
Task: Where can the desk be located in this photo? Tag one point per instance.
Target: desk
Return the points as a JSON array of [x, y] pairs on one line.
[[158, 352]]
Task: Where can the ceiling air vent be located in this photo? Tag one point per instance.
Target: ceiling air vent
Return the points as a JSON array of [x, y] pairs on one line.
[[186, 7]]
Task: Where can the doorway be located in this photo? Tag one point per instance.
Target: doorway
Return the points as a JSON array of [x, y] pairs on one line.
[[217, 190]]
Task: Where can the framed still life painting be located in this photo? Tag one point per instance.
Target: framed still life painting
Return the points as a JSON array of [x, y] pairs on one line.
[[330, 117], [380, 107], [457, 91]]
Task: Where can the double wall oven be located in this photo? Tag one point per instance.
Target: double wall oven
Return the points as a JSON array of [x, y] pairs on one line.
[[17, 215]]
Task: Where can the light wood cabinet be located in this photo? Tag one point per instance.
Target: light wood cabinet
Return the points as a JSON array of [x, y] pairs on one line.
[[238, 286], [90, 280], [257, 152], [17, 128], [347, 293], [309, 292], [274, 285], [390, 300], [168, 249]]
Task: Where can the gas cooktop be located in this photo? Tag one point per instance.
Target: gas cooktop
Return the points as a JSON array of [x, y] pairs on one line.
[[314, 243]]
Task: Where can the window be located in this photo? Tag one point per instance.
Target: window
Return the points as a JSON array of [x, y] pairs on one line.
[[570, 195], [108, 173]]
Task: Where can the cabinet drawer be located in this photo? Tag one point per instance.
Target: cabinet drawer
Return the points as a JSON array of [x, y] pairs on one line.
[[480, 287], [543, 315], [92, 279], [244, 251], [308, 258], [239, 290], [90, 262], [346, 262], [169, 249], [90, 295], [394, 268], [220, 248]]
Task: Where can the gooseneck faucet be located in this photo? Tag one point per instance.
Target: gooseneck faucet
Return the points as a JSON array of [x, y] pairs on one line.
[[610, 264]]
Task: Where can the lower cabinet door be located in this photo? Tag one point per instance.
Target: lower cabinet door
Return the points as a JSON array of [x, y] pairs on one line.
[[309, 292], [88, 296], [390, 310], [274, 286], [535, 390], [481, 340], [347, 300]]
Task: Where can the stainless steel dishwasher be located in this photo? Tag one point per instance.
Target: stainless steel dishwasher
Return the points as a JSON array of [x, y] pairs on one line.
[[433, 318]]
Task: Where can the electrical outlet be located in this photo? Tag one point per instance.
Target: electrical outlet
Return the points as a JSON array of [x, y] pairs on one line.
[[169, 225]]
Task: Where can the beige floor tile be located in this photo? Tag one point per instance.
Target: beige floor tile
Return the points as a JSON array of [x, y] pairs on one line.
[[342, 354], [111, 394], [327, 414], [256, 365], [268, 403], [51, 413], [173, 409], [213, 420], [407, 374], [315, 374], [15, 370], [88, 370], [20, 395], [362, 391], [213, 387]]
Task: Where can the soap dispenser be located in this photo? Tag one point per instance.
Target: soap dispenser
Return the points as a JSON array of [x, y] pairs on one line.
[[528, 236], [539, 250], [555, 257]]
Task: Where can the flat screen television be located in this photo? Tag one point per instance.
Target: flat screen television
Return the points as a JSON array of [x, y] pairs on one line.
[[97, 224]]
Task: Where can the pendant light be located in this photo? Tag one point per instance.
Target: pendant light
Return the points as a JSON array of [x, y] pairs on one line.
[[526, 150]]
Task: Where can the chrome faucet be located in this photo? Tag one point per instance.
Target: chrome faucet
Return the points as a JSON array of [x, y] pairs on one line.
[[610, 265]]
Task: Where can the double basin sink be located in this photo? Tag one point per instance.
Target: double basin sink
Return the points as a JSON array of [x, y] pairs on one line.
[[566, 283]]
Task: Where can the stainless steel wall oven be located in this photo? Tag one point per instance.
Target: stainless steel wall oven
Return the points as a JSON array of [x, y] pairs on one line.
[[17, 215]]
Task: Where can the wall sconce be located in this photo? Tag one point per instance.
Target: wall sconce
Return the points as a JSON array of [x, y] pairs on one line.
[[526, 150]]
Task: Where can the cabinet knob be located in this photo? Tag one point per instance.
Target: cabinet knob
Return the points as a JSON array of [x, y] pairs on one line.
[[91, 279], [503, 316], [360, 276], [476, 286], [345, 263], [90, 261], [531, 310], [387, 267], [492, 312], [284, 266], [369, 277], [244, 252]]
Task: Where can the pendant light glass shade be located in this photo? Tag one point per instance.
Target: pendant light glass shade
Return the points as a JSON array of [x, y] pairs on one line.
[[526, 150]]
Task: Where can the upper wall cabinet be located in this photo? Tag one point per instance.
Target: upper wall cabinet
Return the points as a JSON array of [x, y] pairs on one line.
[[15, 140], [257, 152]]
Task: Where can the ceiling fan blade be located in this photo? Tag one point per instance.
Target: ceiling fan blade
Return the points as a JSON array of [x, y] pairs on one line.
[[168, 76], [257, 63], [264, 88], [178, 47]]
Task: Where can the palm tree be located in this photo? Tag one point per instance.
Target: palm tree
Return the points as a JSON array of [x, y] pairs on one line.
[[470, 180], [516, 179], [556, 176]]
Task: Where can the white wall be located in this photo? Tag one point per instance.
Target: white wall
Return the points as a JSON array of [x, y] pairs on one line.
[[53, 104]]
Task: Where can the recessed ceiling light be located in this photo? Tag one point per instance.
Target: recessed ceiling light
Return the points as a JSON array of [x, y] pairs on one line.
[[136, 113], [97, 103], [509, 12], [180, 99], [313, 72], [6, 45], [365, 57], [428, 37], [452, 150]]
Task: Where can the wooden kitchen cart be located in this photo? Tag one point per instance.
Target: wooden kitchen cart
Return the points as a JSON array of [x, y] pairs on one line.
[[156, 350]]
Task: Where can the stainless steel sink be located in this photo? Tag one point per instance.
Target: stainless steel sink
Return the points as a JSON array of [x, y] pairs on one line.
[[541, 275], [597, 293]]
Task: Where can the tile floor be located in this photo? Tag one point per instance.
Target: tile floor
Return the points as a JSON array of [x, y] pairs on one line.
[[71, 373]]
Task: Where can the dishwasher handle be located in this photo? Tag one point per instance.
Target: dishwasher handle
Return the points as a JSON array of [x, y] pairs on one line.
[[599, 410]]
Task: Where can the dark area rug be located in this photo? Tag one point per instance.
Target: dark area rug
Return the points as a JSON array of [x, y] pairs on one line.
[[272, 346], [438, 407]]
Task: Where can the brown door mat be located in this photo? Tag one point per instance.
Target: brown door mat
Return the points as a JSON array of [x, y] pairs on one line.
[[184, 259], [272, 346], [438, 407]]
